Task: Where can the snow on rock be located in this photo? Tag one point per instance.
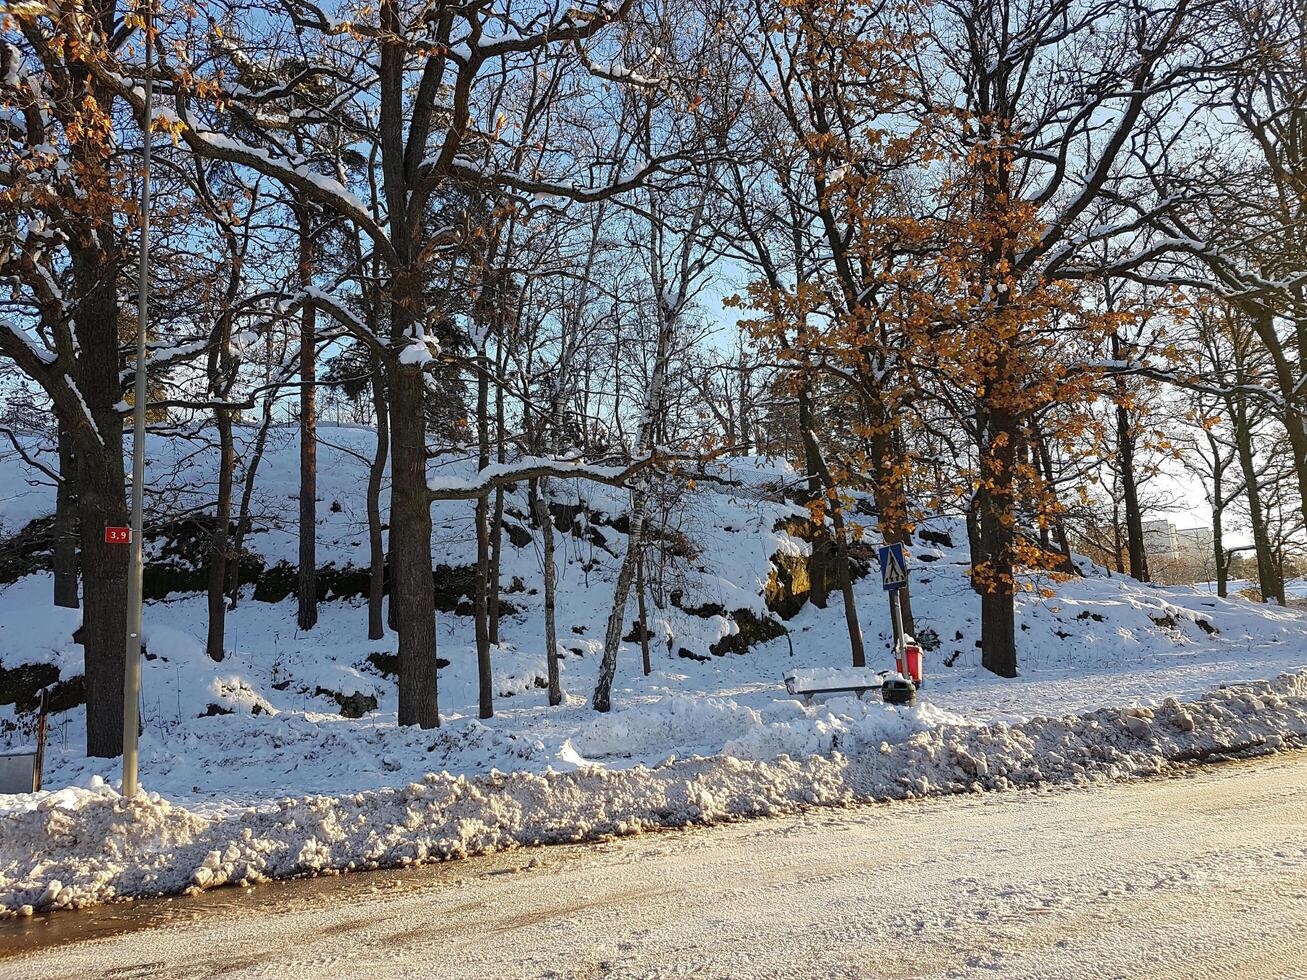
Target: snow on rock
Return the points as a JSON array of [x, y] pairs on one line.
[[78, 846]]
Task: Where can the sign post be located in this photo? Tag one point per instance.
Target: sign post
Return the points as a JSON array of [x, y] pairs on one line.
[[140, 394], [894, 576]]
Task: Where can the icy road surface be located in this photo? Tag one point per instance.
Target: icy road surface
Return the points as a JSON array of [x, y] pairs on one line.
[[1203, 875]]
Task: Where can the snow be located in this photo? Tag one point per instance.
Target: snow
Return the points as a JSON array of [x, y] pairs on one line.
[[1196, 878], [78, 846], [285, 167], [500, 473], [417, 352], [250, 758], [37, 349], [827, 678]]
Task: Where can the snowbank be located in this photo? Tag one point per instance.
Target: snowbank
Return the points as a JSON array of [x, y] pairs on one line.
[[263, 768], [78, 846]]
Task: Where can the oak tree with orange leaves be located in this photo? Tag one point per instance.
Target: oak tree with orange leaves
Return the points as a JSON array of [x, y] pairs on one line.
[[66, 207]]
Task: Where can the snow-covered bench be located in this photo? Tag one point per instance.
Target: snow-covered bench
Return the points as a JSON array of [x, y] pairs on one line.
[[831, 681]]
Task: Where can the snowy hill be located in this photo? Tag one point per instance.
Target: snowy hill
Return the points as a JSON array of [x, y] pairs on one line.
[[222, 740], [269, 717]]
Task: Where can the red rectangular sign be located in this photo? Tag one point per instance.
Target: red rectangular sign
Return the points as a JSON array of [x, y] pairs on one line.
[[117, 535]]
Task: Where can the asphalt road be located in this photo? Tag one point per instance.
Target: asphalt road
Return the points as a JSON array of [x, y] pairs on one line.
[[1203, 875]]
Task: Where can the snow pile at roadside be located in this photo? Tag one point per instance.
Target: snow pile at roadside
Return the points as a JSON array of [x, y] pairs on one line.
[[76, 847], [723, 726], [292, 713]]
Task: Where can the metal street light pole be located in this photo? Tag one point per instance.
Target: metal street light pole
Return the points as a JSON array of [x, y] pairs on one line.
[[132, 671]]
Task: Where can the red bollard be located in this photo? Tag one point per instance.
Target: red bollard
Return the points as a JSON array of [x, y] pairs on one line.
[[912, 669]]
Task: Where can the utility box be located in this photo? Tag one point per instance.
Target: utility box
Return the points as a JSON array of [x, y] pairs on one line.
[[18, 773], [898, 691], [20, 769]]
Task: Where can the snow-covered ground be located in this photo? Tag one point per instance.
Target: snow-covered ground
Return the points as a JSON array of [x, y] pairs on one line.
[[255, 772], [1294, 588], [1197, 878], [77, 847]]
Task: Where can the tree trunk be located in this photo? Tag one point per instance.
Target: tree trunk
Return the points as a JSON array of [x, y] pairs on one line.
[[841, 548], [1296, 426], [1118, 546], [621, 593], [746, 422], [653, 407], [215, 644], [975, 543], [1288, 378], [891, 498], [65, 527], [306, 586], [497, 521], [413, 588], [101, 503], [820, 560], [644, 619], [485, 676], [846, 587], [245, 518], [492, 574], [1059, 523], [1218, 550], [997, 518], [392, 611], [539, 492], [811, 464], [1125, 445], [1266, 574], [376, 545]]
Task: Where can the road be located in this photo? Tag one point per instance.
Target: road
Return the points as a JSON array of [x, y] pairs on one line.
[[1203, 875]]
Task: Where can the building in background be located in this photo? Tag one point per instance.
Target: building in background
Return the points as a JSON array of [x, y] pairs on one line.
[[1194, 543], [1179, 555], [1160, 541]]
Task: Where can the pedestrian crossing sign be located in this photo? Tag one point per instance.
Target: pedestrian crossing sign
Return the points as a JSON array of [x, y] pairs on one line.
[[893, 567]]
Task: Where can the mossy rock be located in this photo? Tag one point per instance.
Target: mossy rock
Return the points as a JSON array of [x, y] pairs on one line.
[[564, 515], [671, 542], [21, 686], [705, 611], [178, 558], [354, 705], [752, 630], [387, 664], [347, 582], [940, 538], [454, 583], [634, 635], [67, 694], [798, 579], [566, 521], [280, 581], [517, 534], [28, 551], [788, 585], [276, 583]]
